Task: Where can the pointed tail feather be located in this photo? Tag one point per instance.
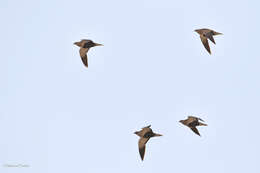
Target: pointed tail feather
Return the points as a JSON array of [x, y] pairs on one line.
[[202, 124], [157, 134], [217, 33]]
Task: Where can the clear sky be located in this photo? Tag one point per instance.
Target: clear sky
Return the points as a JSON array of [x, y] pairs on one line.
[[58, 116]]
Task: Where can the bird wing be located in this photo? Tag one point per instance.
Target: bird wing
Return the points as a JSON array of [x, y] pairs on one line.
[[141, 146], [82, 42], [201, 119], [195, 130], [196, 118], [205, 42], [188, 121], [83, 55], [145, 130], [209, 35], [146, 127], [85, 40], [191, 119]]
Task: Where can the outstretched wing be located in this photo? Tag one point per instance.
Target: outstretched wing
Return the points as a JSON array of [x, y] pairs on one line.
[[209, 35], [195, 130], [201, 119], [83, 55], [195, 118], [141, 146], [146, 127], [205, 42]]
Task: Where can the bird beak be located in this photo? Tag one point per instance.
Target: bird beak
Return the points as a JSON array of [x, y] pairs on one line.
[[75, 43], [97, 44]]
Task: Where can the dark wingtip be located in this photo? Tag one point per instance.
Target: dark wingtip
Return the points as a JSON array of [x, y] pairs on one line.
[[142, 157]]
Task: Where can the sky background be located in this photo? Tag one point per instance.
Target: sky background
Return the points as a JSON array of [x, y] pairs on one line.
[[58, 116]]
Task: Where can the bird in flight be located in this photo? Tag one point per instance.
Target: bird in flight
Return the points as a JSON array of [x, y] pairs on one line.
[[85, 45], [206, 34], [192, 122], [145, 134]]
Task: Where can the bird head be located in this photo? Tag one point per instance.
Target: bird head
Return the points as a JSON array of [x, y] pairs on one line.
[[77, 43], [181, 121], [196, 30]]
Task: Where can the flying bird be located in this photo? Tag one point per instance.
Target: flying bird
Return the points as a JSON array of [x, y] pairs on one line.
[[145, 134], [192, 122], [85, 45], [206, 34]]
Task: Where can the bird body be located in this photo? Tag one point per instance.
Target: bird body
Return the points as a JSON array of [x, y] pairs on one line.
[[85, 45], [192, 122], [145, 134], [206, 34]]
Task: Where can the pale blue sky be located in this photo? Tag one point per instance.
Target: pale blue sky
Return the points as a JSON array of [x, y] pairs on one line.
[[58, 116]]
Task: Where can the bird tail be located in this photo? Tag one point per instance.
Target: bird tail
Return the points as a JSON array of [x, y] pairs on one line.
[[157, 134], [217, 33], [202, 124]]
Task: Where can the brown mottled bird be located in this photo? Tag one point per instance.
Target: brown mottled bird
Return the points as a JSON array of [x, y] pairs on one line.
[[85, 45], [192, 122], [206, 34], [145, 134]]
